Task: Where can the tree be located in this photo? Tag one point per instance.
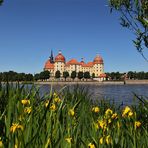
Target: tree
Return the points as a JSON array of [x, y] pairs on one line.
[[80, 75], [112, 75], [44, 75], [65, 74], [73, 75], [93, 75], [36, 76], [130, 75], [1, 1], [141, 75], [12, 76], [29, 77], [0, 76], [87, 75], [21, 77], [118, 75], [146, 75], [134, 16], [57, 74]]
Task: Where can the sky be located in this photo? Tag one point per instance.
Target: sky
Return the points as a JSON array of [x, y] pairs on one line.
[[30, 29]]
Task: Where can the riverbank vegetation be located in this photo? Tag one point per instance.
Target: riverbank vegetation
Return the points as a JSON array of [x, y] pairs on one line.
[[68, 118], [45, 75]]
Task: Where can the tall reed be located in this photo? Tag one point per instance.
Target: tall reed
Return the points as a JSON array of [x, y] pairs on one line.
[[67, 119]]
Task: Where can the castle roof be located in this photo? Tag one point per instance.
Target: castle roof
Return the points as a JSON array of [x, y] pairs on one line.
[[98, 60], [49, 65], [73, 62], [60, 58]]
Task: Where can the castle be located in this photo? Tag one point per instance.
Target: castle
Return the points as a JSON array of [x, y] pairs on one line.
[[95, 68]]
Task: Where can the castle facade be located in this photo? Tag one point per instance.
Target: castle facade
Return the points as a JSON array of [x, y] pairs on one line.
[[96, 67]]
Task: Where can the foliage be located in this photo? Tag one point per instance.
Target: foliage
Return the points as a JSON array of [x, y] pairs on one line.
[[44, 75], [0, 77], [29, 77], [134, 16], [36, 76], [14, 76], [130, 75], [115, 75], [140, 75], [65, 74], [86, 75], [93, 75], [68, 119], [80, 75], [73, 75], [1, 1], [57, 74]]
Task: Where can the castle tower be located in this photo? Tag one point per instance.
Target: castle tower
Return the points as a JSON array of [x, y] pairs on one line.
[[98, 67], [51, 57], [59, 63]]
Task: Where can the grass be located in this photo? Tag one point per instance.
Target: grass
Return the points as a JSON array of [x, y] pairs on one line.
[[68, 119]]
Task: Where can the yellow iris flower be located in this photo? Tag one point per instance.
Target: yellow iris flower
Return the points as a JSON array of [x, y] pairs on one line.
[[25, 102], [57, 100], [71, 112], [108, 139], [96, 109], [1, 142], [91, 145], [28, 110], [108, 112], [53, 107], [16, 126], [102, 124], [68, 140], [46, 103], [137, 124], [127, 112], [101, 140], [114, 116]]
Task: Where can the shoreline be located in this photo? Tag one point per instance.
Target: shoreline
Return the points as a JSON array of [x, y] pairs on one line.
[[127, 82]]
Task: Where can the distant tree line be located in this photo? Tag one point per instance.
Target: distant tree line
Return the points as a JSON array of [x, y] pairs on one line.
[[14, 76], [129, 75], [137, 75], [45, 75]]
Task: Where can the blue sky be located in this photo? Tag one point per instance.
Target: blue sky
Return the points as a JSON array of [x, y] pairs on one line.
[[29, 29]]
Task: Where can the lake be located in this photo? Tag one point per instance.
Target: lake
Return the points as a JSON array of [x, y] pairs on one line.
[[120, 93]]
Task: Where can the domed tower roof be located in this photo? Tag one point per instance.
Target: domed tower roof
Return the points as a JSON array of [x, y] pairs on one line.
[[98, 60], [60, 58], [49, 65]]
